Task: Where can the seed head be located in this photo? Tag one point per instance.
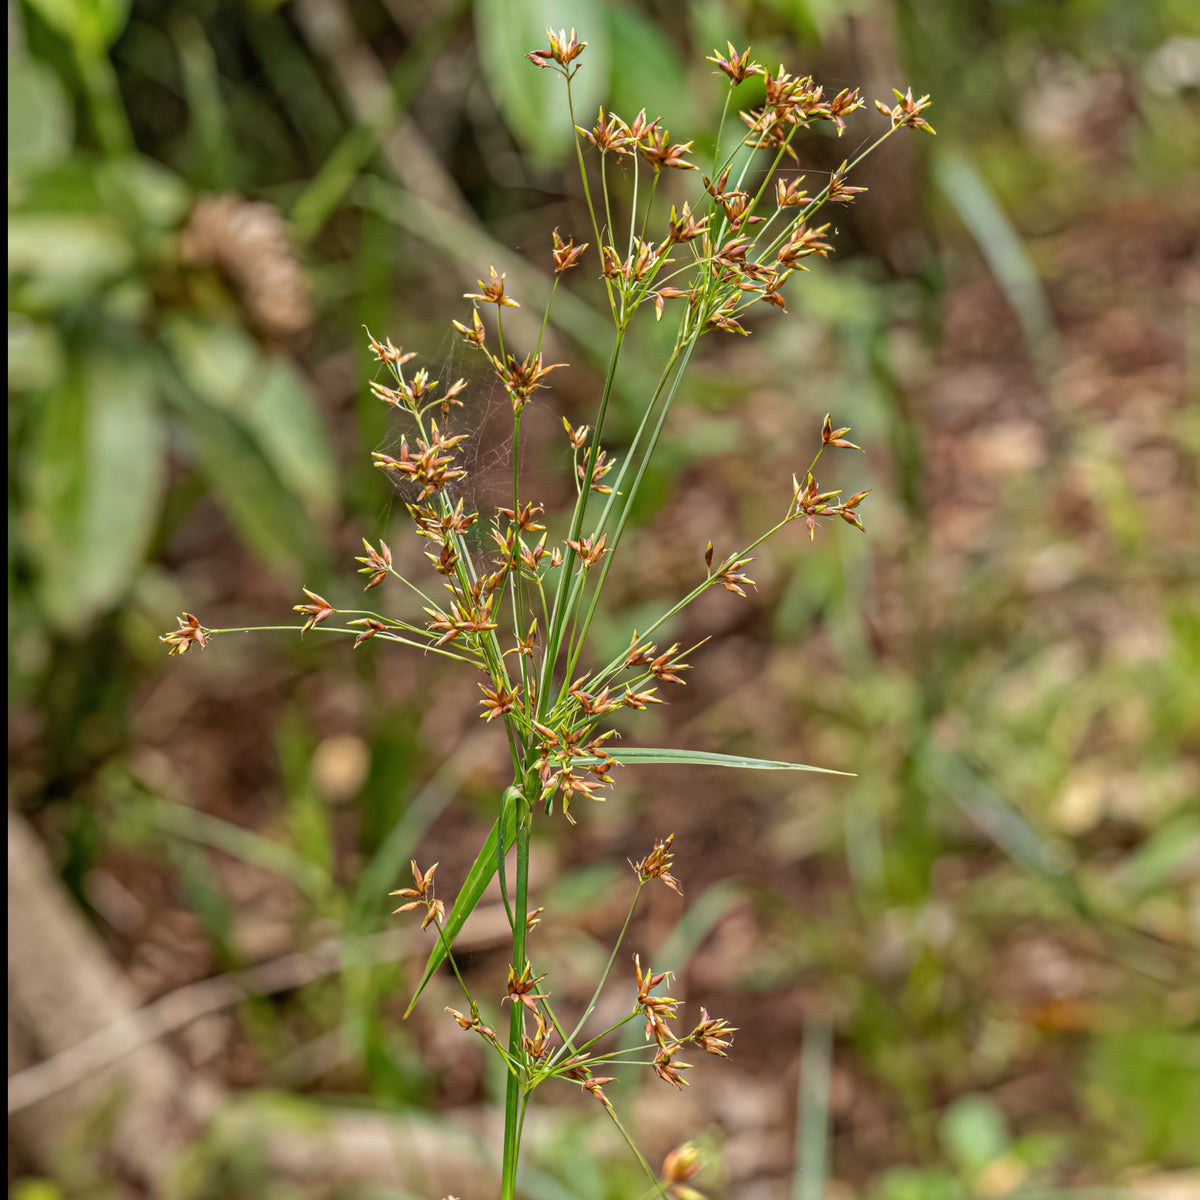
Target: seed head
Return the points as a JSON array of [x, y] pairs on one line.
[[660, 153], [520, 988], [563, 51], [475, 334], [836, 437], [712, 1034], [566, 254], [190, 633], [737, 67], [666, 1068], [839, 192], [577, 437], [907, 111], [656, 865], [385, 352], [372, 628], [376, 563], [610, 134], [421, 893], [319, 610], [492, 292]]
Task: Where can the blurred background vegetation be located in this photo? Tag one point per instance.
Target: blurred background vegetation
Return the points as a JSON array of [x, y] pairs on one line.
[[969, 971]]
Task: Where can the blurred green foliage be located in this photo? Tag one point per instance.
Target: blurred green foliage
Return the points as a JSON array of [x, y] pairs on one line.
[[166, 444]]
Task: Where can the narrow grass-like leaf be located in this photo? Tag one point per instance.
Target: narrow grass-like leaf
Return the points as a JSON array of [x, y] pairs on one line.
[[703, 758], [478, 877]]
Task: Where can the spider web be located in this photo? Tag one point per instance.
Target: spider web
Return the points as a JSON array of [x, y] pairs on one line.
[[484, 416]]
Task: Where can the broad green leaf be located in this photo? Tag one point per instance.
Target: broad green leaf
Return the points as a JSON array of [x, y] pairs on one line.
[[65, 255], [268, 397], [35, 354], [479, 876], [701, 758], [40, 120], [93, 25], [647, 73], [97, 479], [143, 193], [533, 100]]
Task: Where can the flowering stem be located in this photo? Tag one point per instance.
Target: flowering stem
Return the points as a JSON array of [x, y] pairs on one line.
[[559, 615], [633, 491], [515, 1086], [587, 191], [658, 1187], [591, 1005]]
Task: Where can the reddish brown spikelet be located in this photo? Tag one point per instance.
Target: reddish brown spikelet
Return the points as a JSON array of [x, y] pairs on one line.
[[839, 191], [659, 153], [566, 254], [563, 50], [475, 333], [319, 610], [610, 135], [385, 352], [737, 67], [498, 702], [788, 194], [492, 292], [422, 889], [656, 865], [372, 628], [666, 1068], [590, 550], [907, 111], [712, 1034], [376, 563], [190, 633], [520, 988], [836, 437], [577, 437], [685, 227], [731, 577]]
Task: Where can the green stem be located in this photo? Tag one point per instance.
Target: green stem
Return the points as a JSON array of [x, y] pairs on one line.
[[591, 1005], [658, 1187], [628, 506], [104, 100], [587, 191], [558, 617], [515, 1086]]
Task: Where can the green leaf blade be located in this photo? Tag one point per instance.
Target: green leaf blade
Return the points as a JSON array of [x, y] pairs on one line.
[[639, 755], [478, 877]]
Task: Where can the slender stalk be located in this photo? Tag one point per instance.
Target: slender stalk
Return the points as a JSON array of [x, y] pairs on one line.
[[515, 1086], [591, 1004], [627, 508], [558, 616]]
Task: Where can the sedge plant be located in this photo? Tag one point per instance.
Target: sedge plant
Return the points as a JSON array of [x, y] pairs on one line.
[[520, 615]]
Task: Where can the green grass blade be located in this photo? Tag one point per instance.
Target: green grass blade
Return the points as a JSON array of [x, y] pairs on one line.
[[478, 877], [703, 758]]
